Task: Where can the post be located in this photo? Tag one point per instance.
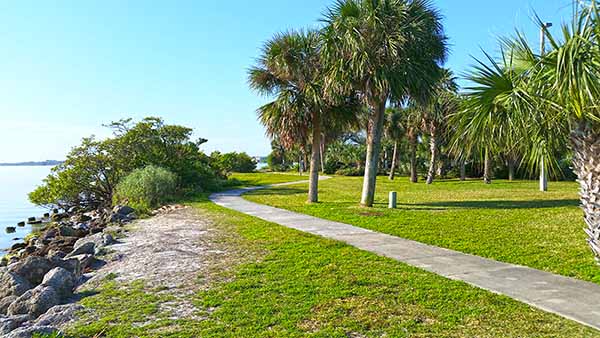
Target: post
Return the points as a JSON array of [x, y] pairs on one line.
[[543, 174], [393, 200]]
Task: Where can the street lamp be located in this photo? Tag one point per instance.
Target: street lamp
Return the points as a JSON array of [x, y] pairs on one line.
[[543, 174]]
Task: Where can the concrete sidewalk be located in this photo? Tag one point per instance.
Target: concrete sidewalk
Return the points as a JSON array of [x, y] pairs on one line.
[[570, 298]]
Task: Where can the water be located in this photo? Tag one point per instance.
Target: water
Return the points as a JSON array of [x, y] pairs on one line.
[[15, 183]]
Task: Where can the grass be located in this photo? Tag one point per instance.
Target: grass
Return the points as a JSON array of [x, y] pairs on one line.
[[506, 221], [291, 284]]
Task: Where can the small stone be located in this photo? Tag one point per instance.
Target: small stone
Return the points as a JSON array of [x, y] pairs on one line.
[[107, 239]]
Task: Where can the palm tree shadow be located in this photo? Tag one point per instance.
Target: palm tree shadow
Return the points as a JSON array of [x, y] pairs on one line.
[[278, 191], [495, 204]]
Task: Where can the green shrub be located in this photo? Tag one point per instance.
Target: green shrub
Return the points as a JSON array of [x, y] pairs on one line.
[[147, 188]]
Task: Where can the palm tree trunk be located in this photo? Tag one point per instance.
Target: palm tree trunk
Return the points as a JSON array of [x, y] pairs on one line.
[[432, 163], [463, 170], [586, 162], [322, 153], [315, 158], [413, 158], [373, 148], [487, 168], [511, 168], [394, 161]]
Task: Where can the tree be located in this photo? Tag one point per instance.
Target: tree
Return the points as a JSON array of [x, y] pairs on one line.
[[443, 103], [88, 177], [290, 69], [382, 49], [549, 97], [394, 130]]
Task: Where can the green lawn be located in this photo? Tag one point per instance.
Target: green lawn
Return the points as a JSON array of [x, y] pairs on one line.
[[507, 221], [291, 284]]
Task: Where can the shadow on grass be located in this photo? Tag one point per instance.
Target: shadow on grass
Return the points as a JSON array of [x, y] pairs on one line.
[[278, 191], [534, 204]]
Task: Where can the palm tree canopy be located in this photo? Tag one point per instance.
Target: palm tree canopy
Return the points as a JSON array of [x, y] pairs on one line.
[[289, 69], [383, 47]]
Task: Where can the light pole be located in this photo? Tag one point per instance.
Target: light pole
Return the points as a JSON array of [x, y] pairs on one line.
[[543, 174]]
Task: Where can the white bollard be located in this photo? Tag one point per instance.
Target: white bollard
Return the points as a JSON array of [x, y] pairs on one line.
[[393, 199]]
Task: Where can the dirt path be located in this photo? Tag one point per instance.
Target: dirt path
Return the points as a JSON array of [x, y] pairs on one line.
[[168, 252]]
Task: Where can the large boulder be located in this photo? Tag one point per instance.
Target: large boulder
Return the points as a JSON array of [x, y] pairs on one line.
[[32, 268], [13, 284], [59, 315], [5, 303], [86, 248], [35, 302], [61, 280], [8, 324], [34, 331]]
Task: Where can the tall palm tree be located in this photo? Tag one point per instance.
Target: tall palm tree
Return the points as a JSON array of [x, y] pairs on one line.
[[394, 130], [442, 104], [290, 70], [382, 49], [545, 98]]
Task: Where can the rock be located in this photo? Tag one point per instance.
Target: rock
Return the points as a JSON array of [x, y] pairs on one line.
[[35, 302], [81, 218], [107, 239], [5, 303], [46, 215], [61, 280], [21, 224], [59, 315], [123, 210], [10, 230], [3, 261], [29, 332], [58, 217], [32, 268], [71, 264], [85, 248], [18, 246], [87, 261], [66, 231], [13, 284], [8, 324]]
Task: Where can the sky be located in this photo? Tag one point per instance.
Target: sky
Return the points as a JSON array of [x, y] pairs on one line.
[[67, 67]]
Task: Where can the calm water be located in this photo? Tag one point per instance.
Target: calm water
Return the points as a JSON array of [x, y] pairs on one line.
[[15, 183]]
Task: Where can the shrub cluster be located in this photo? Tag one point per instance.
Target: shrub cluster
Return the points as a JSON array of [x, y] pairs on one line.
[[92, 171], [147, 188]]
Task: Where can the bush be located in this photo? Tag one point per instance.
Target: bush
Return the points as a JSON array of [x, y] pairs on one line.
[[233, 162], [350, 172], [147, 188]]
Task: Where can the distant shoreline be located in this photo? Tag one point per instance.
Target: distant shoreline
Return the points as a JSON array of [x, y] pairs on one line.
[[32, 164]]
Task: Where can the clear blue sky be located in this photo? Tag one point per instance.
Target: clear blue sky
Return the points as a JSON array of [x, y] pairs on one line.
[[66, 67]]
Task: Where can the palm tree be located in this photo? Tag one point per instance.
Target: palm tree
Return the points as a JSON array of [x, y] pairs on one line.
[[382, 49], [394, 130], [545, 98], [443, 103], [290, 69], [486, 121]]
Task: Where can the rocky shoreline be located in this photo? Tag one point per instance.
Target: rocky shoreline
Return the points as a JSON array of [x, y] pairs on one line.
[[39, 276]]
